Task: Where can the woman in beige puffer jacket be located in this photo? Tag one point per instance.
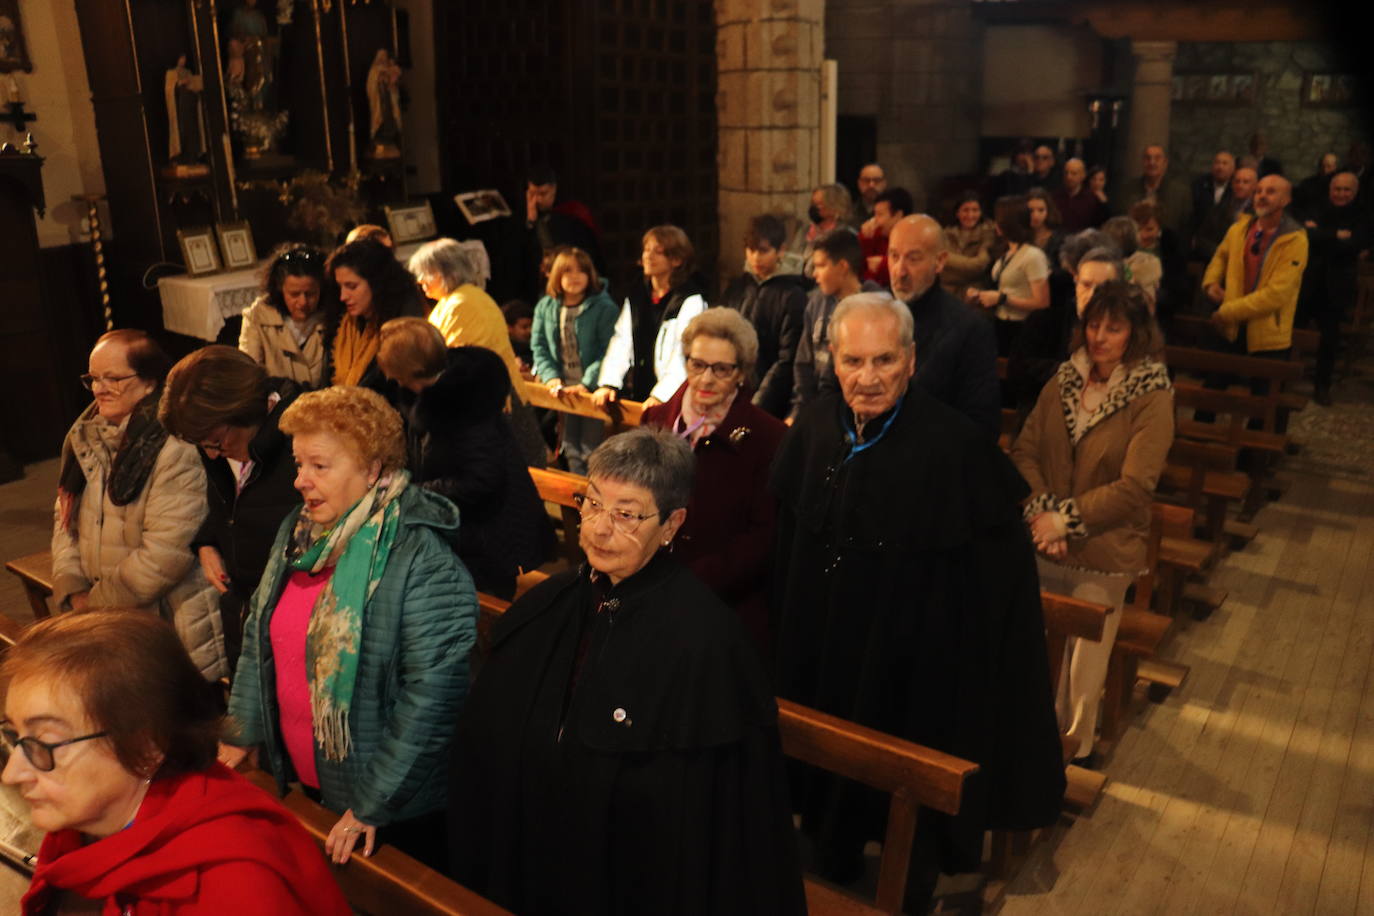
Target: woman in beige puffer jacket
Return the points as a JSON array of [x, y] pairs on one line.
[[129, 502]]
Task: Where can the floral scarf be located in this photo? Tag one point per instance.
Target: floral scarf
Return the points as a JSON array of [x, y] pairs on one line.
[[358, 546]]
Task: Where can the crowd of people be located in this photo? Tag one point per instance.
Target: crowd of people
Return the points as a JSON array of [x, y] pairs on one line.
[[815, 507]]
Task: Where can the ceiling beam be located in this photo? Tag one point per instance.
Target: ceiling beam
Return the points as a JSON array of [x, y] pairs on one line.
[[1167, 20]]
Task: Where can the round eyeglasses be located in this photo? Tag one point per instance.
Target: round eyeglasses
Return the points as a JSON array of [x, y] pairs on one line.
[[39, 753]]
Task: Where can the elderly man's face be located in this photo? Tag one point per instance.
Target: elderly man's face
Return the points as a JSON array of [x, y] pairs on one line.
[[1155, 162], [543, 194], [1243, 183], [1271, 195], [914, 259], [1223, 167], [1074, 173], [872, 182], [1343, 189], [871, 365]]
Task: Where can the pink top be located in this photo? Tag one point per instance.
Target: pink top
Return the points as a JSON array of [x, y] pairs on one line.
[[287, 628]]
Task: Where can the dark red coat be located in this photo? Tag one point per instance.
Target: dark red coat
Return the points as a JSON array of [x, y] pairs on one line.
[[727, 539], [205, 842]]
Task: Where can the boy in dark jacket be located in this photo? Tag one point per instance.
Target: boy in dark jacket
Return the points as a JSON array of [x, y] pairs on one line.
[[773, 302]]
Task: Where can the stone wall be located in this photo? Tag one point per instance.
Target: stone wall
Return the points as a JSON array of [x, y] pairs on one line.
[[768, 109], [1297, 135], [915, 65]]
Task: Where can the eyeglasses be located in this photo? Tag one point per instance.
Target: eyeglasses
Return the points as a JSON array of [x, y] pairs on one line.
[[39, 753], [719, 370], [623, 520], [105, 381]]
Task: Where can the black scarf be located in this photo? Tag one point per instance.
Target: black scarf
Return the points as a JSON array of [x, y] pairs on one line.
[[133, 461]]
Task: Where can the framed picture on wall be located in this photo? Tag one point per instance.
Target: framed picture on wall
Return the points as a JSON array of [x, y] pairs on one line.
[[236, 244], [1328, 90], [14, 53], [414, 223], [199, 251], [1231, 89], [480, 206]]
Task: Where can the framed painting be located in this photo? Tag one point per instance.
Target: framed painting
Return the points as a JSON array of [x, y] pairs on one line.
[[14, 53], [199, 251], [236, 245], [414, 223]]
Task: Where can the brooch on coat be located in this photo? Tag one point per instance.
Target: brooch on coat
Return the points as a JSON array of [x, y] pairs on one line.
[[738, 433]]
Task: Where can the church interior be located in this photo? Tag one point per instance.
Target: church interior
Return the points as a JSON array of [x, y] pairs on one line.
[[164, 161]]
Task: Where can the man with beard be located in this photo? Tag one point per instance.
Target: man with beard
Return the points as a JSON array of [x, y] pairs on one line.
[[906, 589], [956, 349]]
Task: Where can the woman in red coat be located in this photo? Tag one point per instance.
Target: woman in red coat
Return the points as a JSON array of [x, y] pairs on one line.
[[111, 737], [727, 539]]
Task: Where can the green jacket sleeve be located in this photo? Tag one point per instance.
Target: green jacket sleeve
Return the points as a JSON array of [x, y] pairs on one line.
[[437, 630]]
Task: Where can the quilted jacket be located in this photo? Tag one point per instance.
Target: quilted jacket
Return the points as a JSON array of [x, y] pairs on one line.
[[419, 627]]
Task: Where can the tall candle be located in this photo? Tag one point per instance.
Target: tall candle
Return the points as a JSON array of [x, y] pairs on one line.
[[14, 89]]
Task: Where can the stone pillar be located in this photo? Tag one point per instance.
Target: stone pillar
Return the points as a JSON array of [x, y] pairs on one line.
[[1150, 100], [768, 112]]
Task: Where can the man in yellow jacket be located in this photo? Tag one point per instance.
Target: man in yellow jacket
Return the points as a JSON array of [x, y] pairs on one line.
[[1256, 272]]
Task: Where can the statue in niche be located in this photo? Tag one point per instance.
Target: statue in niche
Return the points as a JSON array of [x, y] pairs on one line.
[[384, 106], [185, 127], [250, 81]]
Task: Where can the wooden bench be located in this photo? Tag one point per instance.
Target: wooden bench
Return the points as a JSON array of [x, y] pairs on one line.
[[1203, 476], [914, 776], [561, 489], [618, 413], [1067, 617], [35, 574], [1139, 638]]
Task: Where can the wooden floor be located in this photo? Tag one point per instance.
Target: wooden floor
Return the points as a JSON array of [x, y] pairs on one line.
[[1252, 789]]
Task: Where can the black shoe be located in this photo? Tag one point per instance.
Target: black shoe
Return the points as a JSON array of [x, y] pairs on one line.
[[1087, 761], [1323, 395]]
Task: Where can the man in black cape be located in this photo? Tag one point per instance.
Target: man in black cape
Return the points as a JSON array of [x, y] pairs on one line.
[[908, 601]]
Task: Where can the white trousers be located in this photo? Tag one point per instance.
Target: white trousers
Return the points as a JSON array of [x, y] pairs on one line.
[[1080, 690]]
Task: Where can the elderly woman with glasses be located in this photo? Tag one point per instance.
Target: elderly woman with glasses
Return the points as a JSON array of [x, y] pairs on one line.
[[727, 538], [355, 652], [619, 753], [130, 499], [109, 736], [220, 400], [283, 330]]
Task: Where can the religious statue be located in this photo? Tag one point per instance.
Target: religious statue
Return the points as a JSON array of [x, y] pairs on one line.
[[250, 81], [384, 106], [185, 127]]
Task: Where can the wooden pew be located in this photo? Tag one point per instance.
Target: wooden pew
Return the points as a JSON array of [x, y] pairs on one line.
[[389, 883], [617, 413], [35, 574], [560, 488], [913, 775], [1066, 617], [1203, 476]]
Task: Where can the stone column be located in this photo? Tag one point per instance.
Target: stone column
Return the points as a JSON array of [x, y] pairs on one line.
[[768, 112], [1150, 100]]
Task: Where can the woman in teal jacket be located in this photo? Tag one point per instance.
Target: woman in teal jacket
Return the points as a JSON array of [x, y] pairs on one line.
[[355, 654], [568, 359]]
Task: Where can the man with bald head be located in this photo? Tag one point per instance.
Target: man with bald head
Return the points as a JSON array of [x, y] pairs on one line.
[[1256, 273], [905, 591], [956, 350], [1337, 232], [1079, 208]]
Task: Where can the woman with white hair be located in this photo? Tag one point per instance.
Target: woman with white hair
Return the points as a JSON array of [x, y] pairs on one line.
[[449, 274]]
